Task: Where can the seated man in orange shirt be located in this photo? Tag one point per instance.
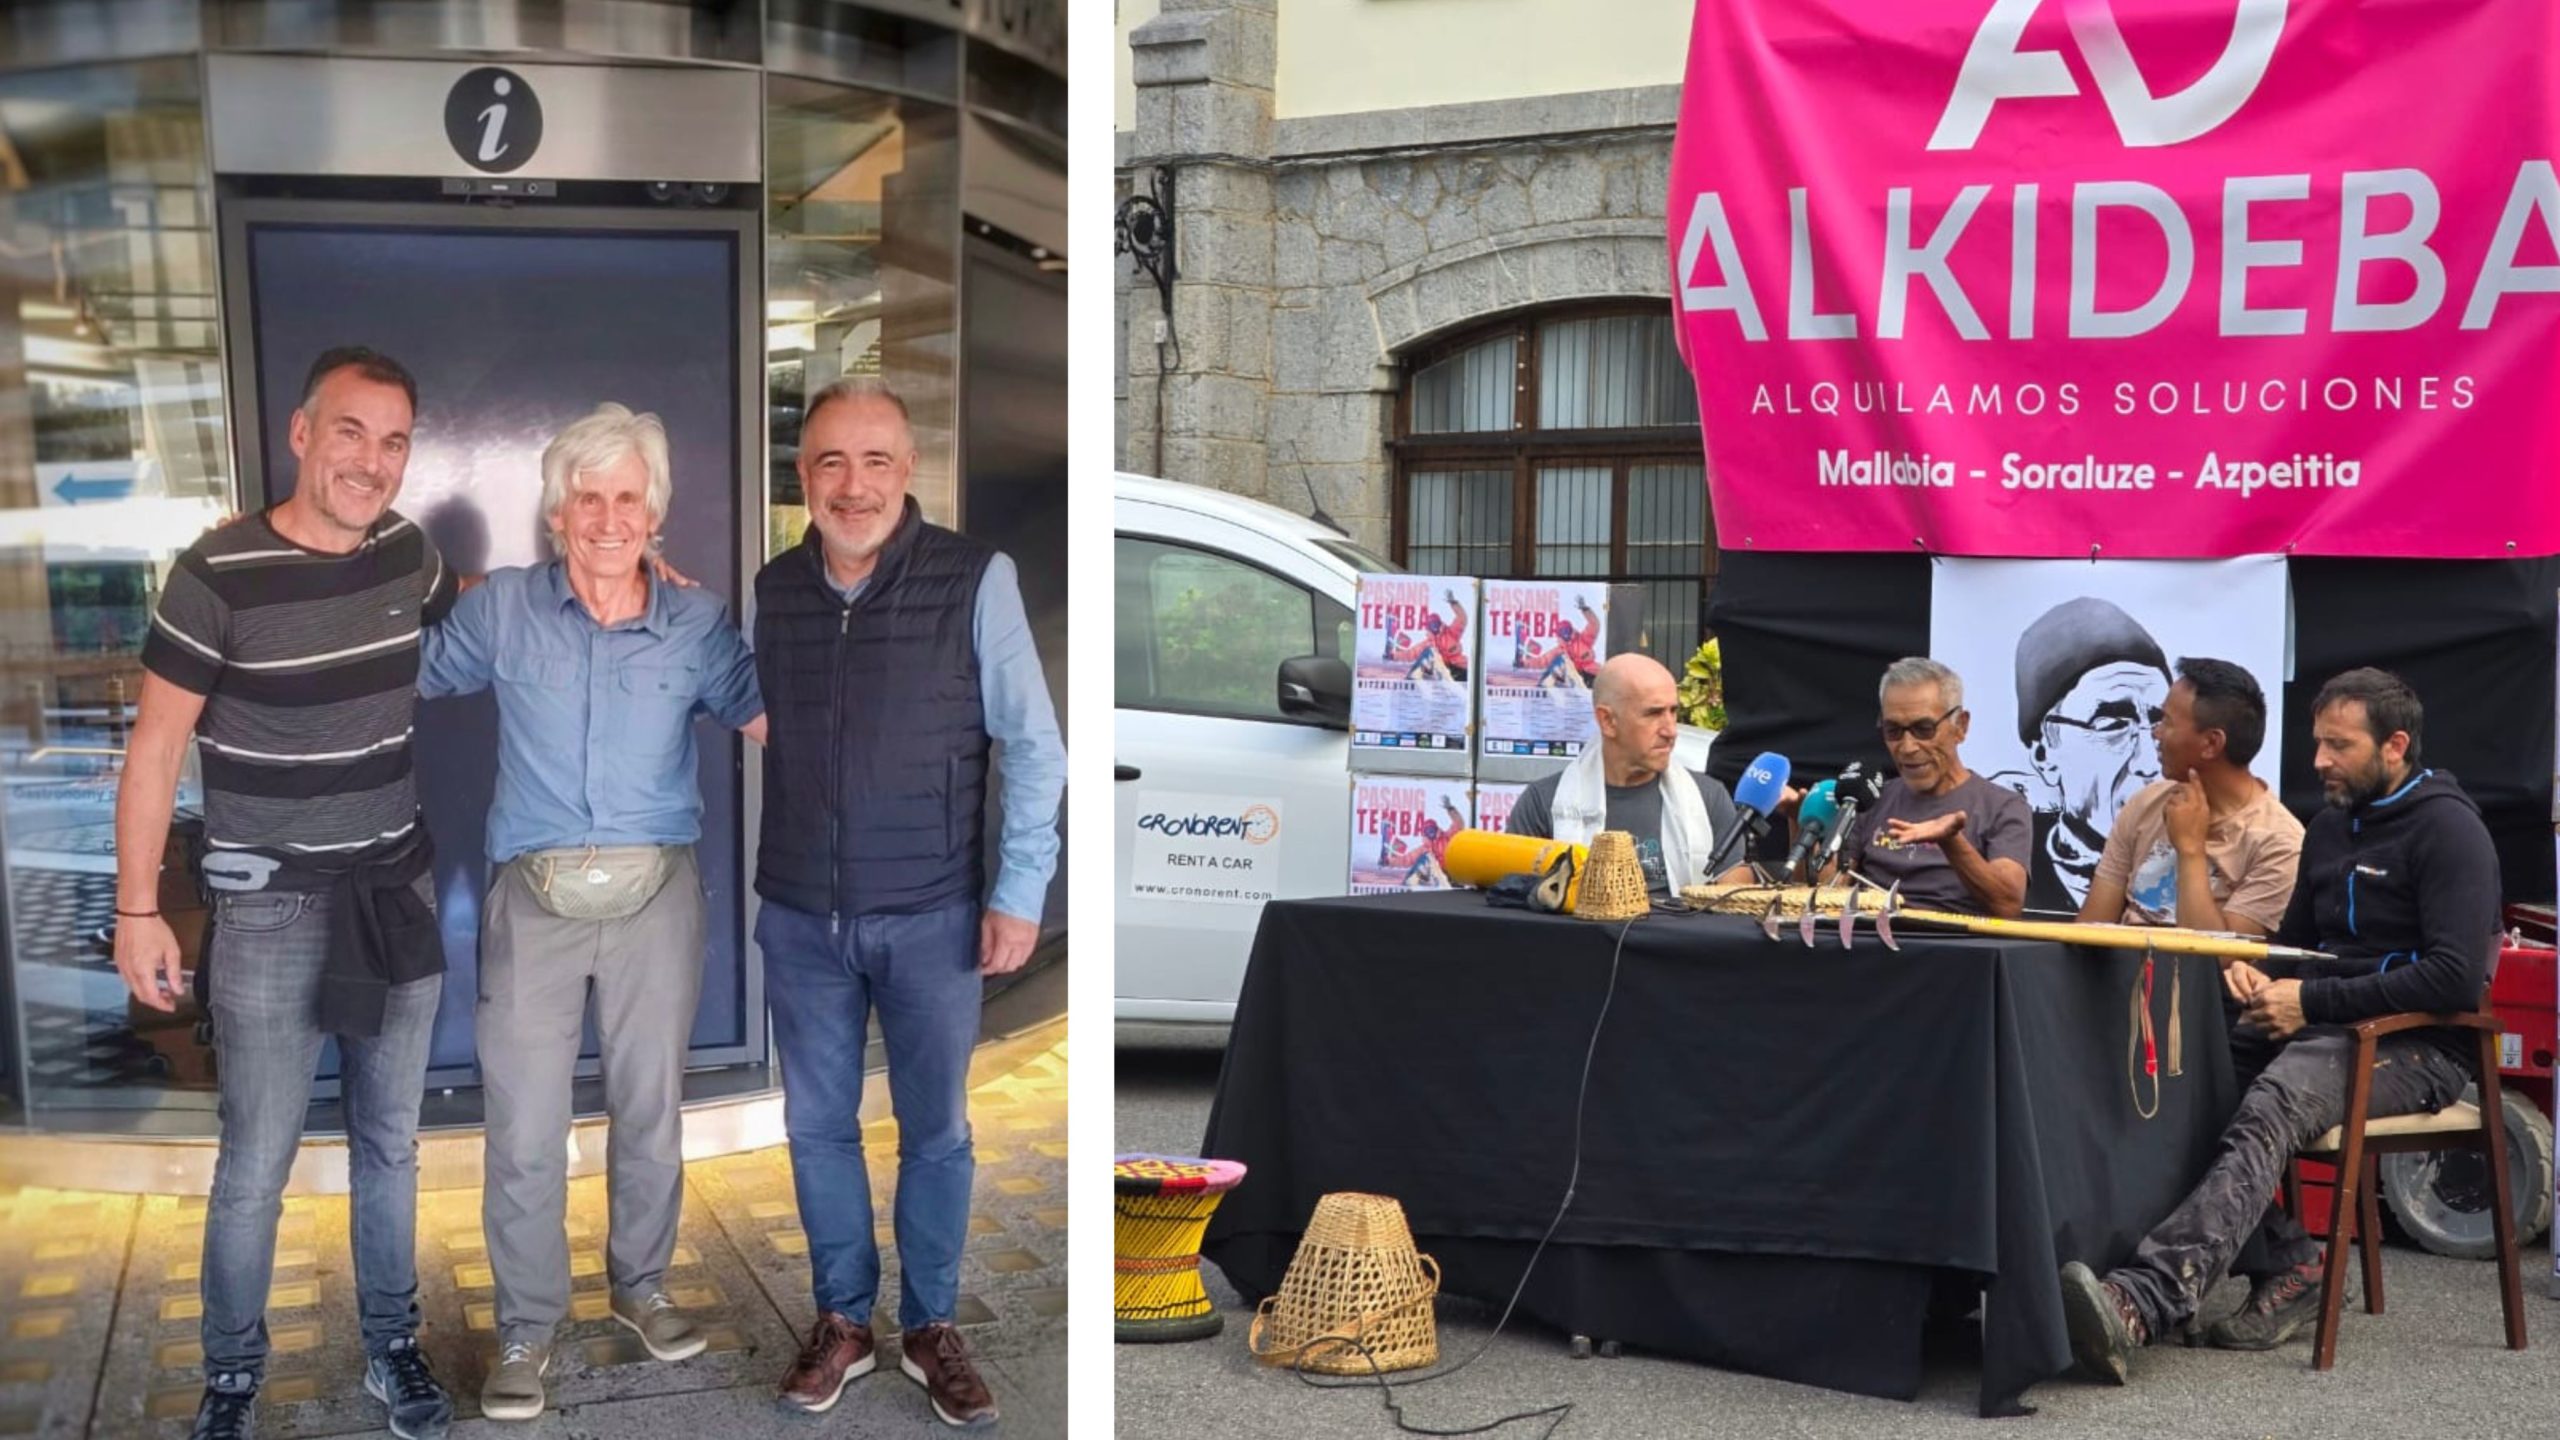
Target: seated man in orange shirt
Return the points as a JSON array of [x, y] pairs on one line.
[[2208, 847]]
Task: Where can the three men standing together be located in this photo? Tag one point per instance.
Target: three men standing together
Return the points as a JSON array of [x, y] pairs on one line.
[[894, 657]]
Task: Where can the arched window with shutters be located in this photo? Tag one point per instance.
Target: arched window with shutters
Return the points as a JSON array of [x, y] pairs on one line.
[[1560, 444]]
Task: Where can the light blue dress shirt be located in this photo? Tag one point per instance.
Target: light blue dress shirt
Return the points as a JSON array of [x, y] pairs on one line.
[[595, 725], [1033, 769]]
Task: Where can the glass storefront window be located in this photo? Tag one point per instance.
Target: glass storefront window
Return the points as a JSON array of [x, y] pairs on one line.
[[112, 460], [862, 226]]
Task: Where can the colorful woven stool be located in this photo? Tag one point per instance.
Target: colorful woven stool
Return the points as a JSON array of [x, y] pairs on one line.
[[1162, 1204]]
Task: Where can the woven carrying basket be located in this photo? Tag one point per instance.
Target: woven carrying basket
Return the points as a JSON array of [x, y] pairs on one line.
[[1612, 880], [1357, 1296]]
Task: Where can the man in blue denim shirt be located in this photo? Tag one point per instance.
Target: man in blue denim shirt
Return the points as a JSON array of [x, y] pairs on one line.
[[600, 671], [893, 655]]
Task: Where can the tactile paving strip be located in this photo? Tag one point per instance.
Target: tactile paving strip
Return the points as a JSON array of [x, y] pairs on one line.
[[77, 1267]]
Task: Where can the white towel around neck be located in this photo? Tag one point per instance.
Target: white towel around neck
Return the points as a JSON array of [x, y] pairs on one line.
[[1581, 810]]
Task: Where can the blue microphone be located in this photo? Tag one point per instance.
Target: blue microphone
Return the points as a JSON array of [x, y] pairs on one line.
[[1816, 816], [1764, 784]]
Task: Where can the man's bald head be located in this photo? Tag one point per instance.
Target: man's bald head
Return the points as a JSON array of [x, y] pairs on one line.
[[1624, 675], [1636, 704]]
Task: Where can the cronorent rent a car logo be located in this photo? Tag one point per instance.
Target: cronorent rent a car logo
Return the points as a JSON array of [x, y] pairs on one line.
[[1261, 825], [1255, 825]]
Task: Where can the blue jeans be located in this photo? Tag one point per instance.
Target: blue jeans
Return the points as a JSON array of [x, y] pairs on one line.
[[920, 972], [269, 948]]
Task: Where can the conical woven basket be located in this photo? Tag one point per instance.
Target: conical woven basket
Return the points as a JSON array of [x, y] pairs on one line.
[[1612, 880], [1357, 1297]]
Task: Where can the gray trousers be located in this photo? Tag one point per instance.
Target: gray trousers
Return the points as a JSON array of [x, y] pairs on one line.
[[536, 974], [2296, 1097]]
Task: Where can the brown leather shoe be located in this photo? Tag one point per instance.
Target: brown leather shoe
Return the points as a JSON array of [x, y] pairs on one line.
[[837, 1353], [938, 1359]]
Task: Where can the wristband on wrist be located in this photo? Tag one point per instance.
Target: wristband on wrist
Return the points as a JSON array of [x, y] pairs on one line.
[[135, 914]]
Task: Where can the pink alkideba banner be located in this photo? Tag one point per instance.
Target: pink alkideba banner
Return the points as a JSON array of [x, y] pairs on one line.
[[2171, 278]]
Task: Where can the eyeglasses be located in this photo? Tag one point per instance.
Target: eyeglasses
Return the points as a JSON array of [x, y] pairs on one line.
[[2115, 724], [1923, 731]]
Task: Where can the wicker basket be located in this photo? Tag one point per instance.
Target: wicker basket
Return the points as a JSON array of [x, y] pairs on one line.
[[1357, 1297], [1612, 880]]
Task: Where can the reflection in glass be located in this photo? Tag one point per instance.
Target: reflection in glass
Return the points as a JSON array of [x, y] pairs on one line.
[[1573, 521], [862, 214], [1459, 523], [1612, 372], [1210, 631], [1467, 393], [1667, 549], [112, 459]]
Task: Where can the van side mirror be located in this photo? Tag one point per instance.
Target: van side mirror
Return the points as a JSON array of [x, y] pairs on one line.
[[1318, 688]]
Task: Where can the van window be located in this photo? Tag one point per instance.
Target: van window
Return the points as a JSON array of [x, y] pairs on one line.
[[1204, 633]]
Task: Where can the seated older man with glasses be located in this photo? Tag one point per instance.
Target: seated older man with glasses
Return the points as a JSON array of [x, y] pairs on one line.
[[1950, 838]]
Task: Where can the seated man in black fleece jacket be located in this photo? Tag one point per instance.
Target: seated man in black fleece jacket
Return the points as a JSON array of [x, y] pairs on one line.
[[2399, 881]]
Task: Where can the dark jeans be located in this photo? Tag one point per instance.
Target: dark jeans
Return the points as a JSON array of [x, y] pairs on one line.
[[269, 949], [919, 973], [2300, 1090]]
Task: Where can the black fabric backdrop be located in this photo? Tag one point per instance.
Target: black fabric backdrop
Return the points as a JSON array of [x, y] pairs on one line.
[[1805, 638], [1782, 1148]]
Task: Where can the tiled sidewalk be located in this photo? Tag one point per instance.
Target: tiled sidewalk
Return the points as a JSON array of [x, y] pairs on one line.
[[98, 1302]]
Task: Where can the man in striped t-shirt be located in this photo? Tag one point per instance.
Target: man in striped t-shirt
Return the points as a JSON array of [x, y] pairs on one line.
[[287, 644]]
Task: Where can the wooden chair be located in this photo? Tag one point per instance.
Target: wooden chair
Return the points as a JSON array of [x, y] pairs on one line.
[[2356, 1147]]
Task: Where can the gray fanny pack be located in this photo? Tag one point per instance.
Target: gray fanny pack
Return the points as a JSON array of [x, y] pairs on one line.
[[597, 882]]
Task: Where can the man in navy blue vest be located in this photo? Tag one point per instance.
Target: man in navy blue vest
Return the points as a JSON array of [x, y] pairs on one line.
[[891, 653]]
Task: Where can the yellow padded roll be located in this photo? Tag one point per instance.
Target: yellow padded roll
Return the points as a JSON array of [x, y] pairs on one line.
[[1482, 857]]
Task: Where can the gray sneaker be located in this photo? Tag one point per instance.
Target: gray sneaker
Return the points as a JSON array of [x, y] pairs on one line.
[[229, 1410], [660, 1325], [2279, 1308], [2105, 1328], [400, 1379], [514, 1391]]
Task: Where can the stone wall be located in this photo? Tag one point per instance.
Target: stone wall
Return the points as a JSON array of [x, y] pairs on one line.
[[1374, 257], [1314, 253]]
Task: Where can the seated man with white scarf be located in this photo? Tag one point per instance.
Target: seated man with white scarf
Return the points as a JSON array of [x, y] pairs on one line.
[[1627, 782]]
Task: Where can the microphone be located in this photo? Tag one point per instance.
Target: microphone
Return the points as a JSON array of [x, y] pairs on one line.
[[1763, 785], [1815, 816], [1853, 790]]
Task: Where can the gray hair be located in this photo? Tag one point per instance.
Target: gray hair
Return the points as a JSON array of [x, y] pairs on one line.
[[600, 439], [858, 387], [1921, 670]]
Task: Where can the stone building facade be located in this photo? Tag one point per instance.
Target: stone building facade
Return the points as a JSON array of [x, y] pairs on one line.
[[1321, 257]]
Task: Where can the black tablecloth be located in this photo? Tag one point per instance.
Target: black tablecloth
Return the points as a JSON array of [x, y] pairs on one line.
[[1783, 1149]]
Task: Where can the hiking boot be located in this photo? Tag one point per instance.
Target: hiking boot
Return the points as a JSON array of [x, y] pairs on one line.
[[2280, 1307], [229, 1410], [660, 1325], [514, 1390], [400, 1379], [2105, 1328], [837, 1353], [936, 1358]]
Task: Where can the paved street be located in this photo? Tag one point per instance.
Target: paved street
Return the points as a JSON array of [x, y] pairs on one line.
[[98, 1299], [2433, 1365]]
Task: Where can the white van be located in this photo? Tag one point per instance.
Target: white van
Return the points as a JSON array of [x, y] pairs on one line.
[[1231, 639]]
